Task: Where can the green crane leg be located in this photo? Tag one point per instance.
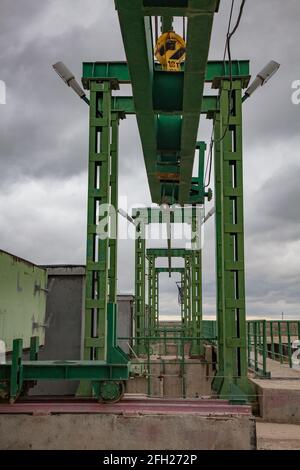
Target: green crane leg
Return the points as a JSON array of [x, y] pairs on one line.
[[196, 286], [140, 290], [101, 259], [196, 347], [187, 295], [231, 379], [182, 303], [95, 346], [151, 294], [113, 242], [156, 303]]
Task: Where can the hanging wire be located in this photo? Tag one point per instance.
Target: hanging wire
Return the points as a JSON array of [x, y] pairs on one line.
[[156, 28], [227, 50]]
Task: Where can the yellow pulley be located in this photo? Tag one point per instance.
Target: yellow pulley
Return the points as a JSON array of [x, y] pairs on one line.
[[170, 51]]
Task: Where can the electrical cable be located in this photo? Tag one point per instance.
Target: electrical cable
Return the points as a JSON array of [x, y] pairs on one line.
[[228, 50]]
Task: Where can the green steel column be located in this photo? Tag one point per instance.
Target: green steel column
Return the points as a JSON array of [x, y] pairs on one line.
[[182, 281], [156, 304], [196, 307], [95, 346], [113, 242], [140, 289], [187, 295], [151, 294], [231, 380]]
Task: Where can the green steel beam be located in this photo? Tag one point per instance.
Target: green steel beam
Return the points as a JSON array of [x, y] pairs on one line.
[[66, 370], [120, 71], [164, 252], [157, 215], [166, 270], [198, 40], [165, 138], [125, 104], [137, 38], [178, 7]]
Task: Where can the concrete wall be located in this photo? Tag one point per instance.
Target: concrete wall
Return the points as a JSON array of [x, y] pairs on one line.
[[127, 432], [64, 317]]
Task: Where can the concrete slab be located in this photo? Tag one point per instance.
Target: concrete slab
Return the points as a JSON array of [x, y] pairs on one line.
[[279, 397], [152, 425], [272, 436]]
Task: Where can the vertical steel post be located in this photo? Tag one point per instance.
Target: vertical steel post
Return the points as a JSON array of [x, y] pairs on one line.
[[272, 341], [196, 281], [151, 294], [289, 344], [140, 289], [187, 294], [113, 242], [182, 281], [280, 343], [97, 264], [264, 346], [231, 379], [255, 345], [156, 300], [249, 342]]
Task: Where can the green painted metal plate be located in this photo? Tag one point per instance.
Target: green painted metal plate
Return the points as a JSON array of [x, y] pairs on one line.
[[120, 71], [22, 302]]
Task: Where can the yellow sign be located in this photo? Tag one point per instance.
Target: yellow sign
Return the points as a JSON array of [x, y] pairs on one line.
[[170, 51]]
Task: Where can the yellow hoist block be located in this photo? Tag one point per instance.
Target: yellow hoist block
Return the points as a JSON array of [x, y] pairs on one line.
[[170, 51]]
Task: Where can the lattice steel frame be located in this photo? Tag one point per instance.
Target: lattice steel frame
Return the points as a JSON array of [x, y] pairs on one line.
[[231, 379]]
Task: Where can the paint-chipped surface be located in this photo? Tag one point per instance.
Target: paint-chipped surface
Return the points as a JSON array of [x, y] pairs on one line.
[[22, 300]]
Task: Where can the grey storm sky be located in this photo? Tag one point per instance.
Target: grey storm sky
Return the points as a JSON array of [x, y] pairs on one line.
[[44, 137]]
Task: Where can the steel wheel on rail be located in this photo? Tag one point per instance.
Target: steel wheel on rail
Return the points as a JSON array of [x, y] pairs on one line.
[[111, 391]]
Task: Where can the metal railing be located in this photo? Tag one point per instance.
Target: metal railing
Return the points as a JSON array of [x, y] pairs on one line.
[[271, 339], [160, 344]]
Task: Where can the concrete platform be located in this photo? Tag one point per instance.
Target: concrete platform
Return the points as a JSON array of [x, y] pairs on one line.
[[279, 397], [131, 424], [272, 436]]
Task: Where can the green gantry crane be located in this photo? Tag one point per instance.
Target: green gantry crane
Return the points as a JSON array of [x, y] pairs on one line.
[[168, 106]]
